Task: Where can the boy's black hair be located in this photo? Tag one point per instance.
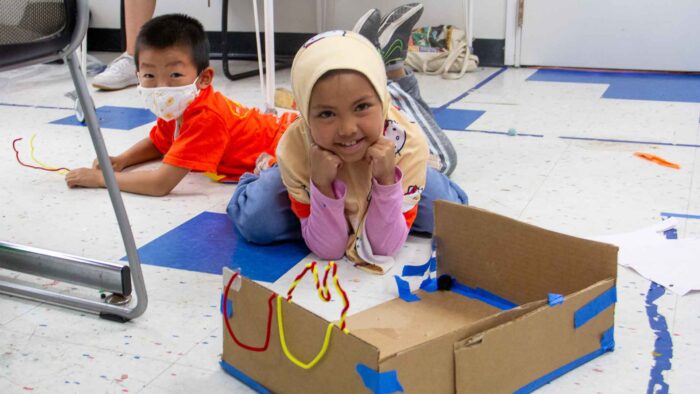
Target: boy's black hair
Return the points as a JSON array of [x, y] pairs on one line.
[[175, 30]]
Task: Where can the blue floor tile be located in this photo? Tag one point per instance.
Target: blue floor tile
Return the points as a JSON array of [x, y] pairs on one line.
[[630, 85], [208, 242], [120, 118], [455, 119]]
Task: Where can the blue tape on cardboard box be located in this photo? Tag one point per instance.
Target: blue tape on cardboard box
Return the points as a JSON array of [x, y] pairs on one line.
[[607, 344], [595, 307]]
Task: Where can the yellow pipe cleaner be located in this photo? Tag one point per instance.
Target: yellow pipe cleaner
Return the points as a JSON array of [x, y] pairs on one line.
[[324, 295], [283, 342], [31, 154]]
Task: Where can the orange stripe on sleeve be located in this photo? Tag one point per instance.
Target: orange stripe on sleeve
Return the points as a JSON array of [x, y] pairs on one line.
[[410, 215], [300, 209]]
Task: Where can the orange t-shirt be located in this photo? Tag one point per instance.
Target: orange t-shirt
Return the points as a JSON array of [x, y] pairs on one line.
[[218, 135]]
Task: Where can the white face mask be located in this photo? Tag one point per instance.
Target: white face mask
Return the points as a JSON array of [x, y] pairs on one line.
[[169, 103]]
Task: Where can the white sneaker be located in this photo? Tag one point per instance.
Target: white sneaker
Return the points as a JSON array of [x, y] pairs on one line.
[[119, 74]]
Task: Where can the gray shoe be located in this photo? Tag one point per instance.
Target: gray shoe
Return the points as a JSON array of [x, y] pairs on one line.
[[368, 26], [395, 31]]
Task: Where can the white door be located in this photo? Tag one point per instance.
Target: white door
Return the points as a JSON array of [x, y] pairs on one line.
[[617, 34]]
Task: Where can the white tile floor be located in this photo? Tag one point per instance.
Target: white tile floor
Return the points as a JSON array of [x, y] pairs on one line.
[[576, 187]]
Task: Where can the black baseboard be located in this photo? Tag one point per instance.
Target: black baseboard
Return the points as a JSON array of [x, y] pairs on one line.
[[491, 52], [238, 43]]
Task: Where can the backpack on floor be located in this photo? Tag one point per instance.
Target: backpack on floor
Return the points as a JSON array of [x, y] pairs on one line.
[[440, 50]]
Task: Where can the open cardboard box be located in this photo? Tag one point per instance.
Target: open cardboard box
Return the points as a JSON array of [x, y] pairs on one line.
[[446, 342]]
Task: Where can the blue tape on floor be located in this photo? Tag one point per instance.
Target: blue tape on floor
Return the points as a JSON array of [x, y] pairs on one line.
[[636, 142], [517, 134], [456, 119], [208, 242], [36, 106], [663, 345], [429, 285], [476, 87], [679, 215], [243, 378], [405, 290], [379, 382], [483, 296], [555, 299], [595, 307], [120, 118], [607, 344], [416, 270], [632, 86]]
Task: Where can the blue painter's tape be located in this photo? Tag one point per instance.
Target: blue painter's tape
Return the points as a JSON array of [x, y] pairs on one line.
[[379, 382], [36, 106], [671, 233], [679, 215], [229, 307], [433, 264], [483, 296], [111, 117], [415, 270], [607, 344], [555, 299], [636, 142], [595, 306], [429, 285], [607, 341], [245, 379], [456, 119], [476, 87], [405, 290], [663, 345], [208, 242]]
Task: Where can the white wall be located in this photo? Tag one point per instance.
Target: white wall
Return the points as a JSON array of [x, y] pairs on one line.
[[299, 16]]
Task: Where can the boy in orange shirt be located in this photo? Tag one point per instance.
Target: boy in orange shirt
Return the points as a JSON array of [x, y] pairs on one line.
[[198, 129]]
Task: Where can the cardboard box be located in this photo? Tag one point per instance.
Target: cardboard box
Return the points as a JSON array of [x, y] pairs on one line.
[[447, 342]]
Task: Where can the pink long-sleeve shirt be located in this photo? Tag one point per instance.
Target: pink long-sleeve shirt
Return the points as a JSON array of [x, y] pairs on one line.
[[325, 231]]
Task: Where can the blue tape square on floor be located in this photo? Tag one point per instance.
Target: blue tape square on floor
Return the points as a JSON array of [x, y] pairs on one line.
[[208, 242], [110, 117], [631, 85], [455, 119]]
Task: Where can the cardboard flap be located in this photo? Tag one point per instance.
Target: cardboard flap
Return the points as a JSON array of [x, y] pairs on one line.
[[515, 260], [417, 365], [515, 354]]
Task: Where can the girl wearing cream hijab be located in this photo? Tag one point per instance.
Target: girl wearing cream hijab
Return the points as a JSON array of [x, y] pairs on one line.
[[353, 165], [352, 175]]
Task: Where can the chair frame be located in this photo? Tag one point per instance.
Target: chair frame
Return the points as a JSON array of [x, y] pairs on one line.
[[74, 269]]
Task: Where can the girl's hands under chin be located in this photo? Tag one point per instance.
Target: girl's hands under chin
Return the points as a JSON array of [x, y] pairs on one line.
[[324, 169], [382, 160]]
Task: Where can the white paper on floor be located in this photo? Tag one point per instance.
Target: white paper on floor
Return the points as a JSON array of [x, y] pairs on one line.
[[364, 290], [672, 263]]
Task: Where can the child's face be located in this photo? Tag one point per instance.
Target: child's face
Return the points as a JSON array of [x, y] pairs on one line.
[[345, 115], [167, 67]]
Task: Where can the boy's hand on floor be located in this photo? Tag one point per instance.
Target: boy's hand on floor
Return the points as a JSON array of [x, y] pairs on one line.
[[84, 177], [117, 163], [324, 169], [382, 159]]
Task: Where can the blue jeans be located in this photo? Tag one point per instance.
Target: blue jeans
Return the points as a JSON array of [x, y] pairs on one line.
[[261, 210]]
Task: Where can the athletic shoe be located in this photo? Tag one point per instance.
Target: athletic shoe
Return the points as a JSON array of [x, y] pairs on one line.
[[368, 26], [395, 30], [120, 74]]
